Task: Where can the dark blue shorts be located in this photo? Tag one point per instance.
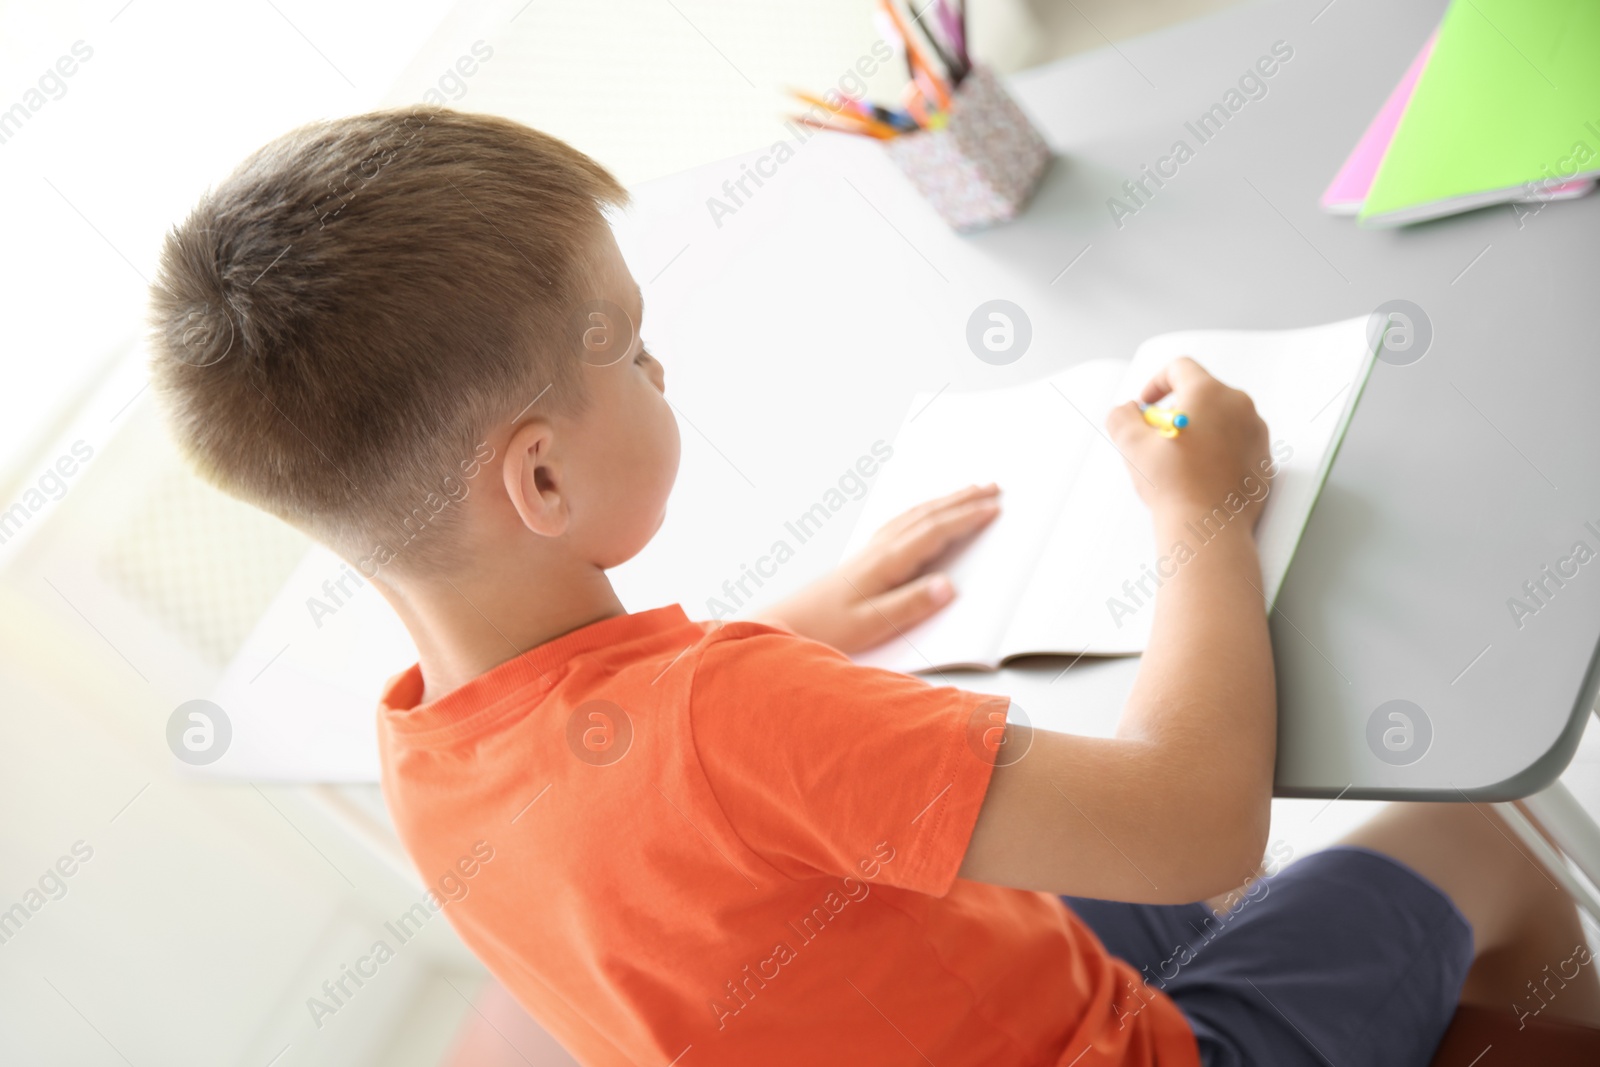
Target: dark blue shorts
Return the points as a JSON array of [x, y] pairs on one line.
[[1345, 958]]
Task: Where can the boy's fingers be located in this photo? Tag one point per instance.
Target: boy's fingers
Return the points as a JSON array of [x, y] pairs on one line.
[[961, 496], [1123, 420], [890, 614], [931, 535], [1181, 373]]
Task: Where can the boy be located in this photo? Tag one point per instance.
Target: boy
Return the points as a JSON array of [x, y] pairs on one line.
[[412, 335]]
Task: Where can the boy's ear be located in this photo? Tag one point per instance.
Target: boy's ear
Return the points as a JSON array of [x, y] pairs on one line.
[[533, 481]]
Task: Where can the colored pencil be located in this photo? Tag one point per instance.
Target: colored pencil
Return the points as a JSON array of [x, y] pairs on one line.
[[951, 66], [864, 131], [926, 98], [850, 115], [914, 56]]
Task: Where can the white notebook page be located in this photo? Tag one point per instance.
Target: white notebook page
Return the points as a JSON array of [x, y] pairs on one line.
[[1028, 439], [1303, 383]]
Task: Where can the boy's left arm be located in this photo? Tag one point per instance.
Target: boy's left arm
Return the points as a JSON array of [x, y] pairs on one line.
[[884, 590]]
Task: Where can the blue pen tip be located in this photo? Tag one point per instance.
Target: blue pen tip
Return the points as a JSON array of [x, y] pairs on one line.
[[1180, 421]]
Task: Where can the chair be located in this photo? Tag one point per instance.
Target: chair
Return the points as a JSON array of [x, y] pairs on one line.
[[1489, 1037]]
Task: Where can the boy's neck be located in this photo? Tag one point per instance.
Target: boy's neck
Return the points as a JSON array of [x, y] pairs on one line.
[[466, 625]]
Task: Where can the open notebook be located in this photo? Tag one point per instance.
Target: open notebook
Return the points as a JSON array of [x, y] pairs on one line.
[[1060, 570]]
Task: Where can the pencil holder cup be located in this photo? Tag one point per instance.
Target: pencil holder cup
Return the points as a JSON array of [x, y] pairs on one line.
[[983, 165]]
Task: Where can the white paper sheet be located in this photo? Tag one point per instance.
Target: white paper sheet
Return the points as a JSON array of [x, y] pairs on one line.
[[1052, 588]]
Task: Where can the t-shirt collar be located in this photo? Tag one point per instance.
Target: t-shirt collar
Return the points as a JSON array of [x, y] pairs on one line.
[[400, 695]]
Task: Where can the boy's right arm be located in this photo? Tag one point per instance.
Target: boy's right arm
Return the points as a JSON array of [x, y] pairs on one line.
[[1175, 807]]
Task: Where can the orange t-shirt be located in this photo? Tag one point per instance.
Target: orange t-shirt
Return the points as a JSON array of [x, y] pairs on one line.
[[725, 844]]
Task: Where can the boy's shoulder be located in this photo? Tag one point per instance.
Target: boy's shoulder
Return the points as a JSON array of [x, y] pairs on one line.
[[743, 667], [769, 650]]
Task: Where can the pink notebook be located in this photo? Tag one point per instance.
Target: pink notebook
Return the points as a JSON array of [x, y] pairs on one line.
[[1349, 187]]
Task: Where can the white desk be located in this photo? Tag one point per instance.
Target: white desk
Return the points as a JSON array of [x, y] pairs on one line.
[[796, 331]]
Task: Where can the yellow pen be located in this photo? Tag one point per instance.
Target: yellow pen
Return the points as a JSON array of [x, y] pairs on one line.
[[1166, 421]]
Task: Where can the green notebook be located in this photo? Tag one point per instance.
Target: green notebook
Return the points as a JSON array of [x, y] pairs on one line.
[[1510, 96]]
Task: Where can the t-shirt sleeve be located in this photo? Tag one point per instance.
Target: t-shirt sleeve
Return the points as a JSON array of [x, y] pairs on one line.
[[825, 767]]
